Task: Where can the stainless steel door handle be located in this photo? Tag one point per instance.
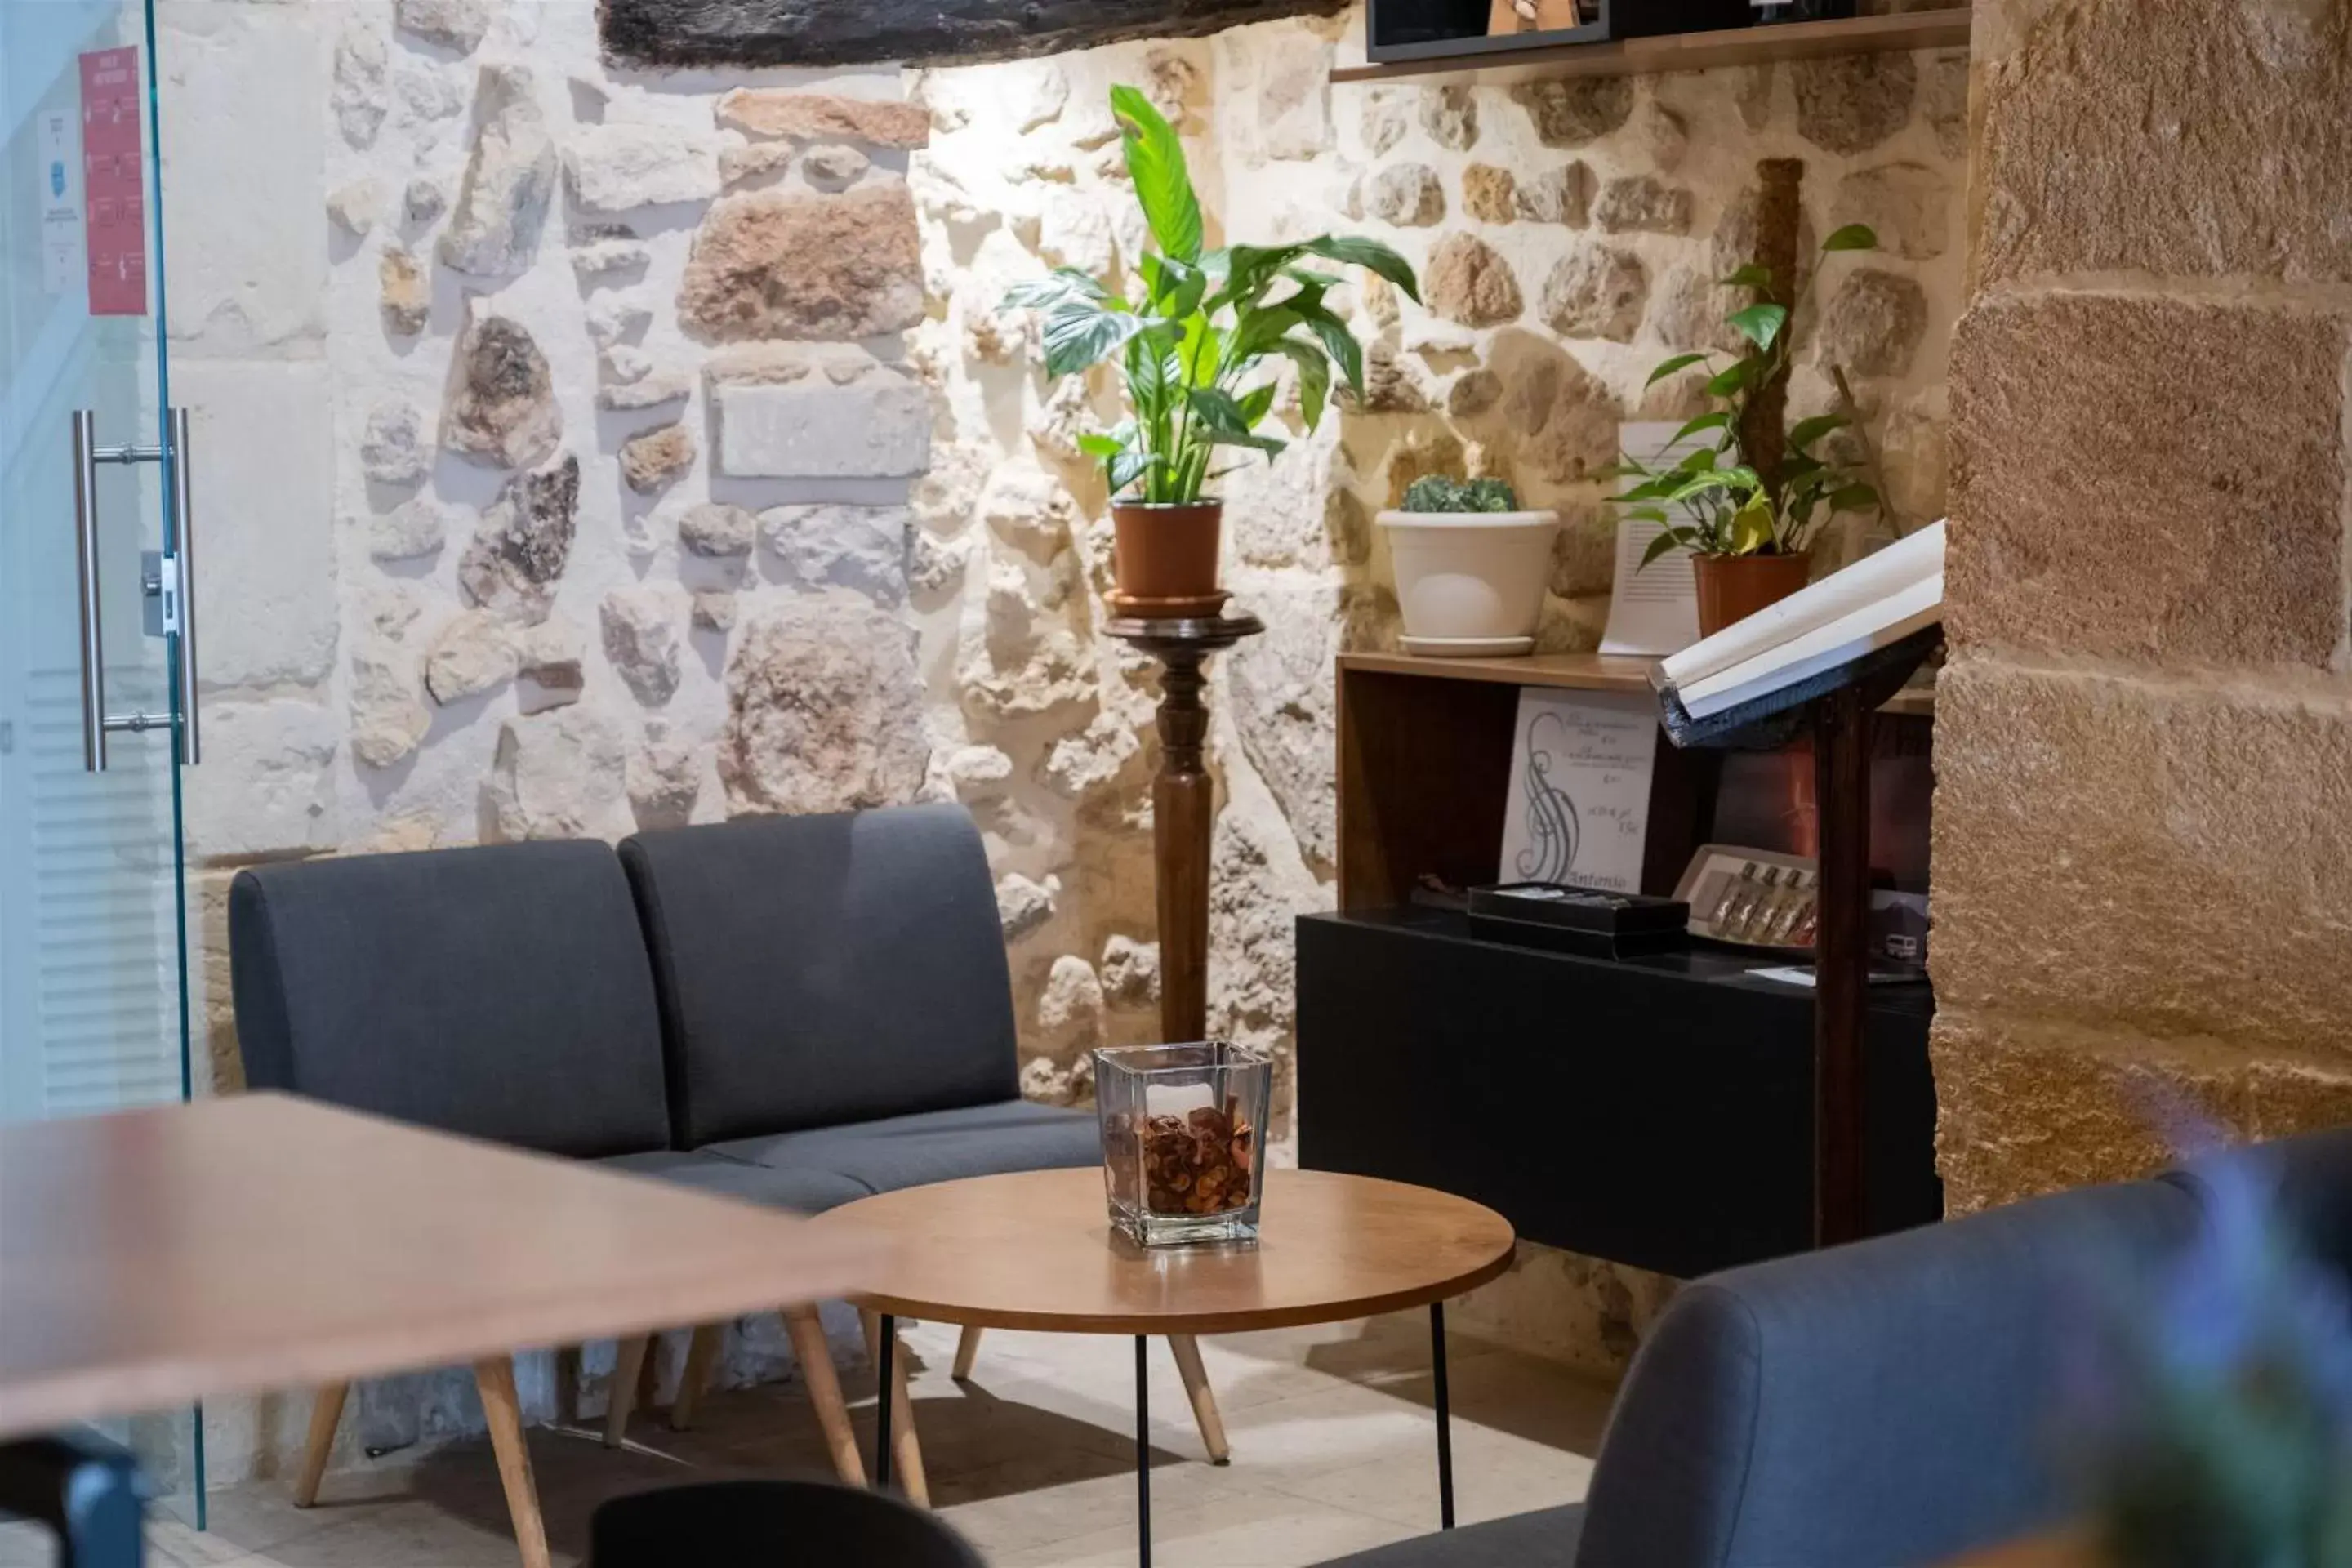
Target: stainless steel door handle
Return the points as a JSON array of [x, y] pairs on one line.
[[170, 583], [183, 557], [93, 646]]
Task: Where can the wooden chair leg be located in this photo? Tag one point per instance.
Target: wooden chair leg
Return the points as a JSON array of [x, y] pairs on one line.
[[494, 1379], [326, 1412], [628, 1365], [967, 1353], [825, 1393], [701, 1355], [1204, 1399]]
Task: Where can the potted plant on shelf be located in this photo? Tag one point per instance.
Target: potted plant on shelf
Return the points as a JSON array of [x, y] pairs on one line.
[[1189, 344], [1748, 502], [1470, 566]]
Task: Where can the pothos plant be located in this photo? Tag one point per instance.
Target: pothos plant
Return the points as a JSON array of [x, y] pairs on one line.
[[1719, 499], [1203, 323]]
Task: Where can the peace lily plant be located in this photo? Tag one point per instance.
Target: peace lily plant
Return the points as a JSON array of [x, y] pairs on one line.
[[1746, 513], [1197, 339]]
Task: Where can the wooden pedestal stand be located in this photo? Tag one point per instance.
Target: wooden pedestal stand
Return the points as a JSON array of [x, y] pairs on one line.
[[1182, 805]]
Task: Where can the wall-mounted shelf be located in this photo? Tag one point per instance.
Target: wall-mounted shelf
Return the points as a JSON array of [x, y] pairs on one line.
[[1687, 51]]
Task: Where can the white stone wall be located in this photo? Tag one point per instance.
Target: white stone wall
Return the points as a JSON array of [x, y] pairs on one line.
[[436, 270]]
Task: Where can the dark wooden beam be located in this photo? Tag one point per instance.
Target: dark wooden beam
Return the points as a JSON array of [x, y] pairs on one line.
[[863, 32]]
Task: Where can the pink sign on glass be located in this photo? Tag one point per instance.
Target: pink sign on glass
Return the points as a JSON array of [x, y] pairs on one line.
[[114, 184]]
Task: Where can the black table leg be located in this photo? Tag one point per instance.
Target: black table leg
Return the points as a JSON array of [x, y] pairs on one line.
[[1142, 1453], [1444, 1417], [883, 1348], [86, 1490]]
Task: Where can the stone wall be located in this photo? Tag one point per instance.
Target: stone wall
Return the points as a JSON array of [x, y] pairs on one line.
[[2141, 856], [593, 449]]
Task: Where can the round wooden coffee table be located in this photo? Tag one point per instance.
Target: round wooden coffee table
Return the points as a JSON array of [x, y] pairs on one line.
[[1035, 1249]]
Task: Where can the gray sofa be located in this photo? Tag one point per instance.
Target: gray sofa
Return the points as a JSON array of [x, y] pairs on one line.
[[1873, 1405], [799, 1011]]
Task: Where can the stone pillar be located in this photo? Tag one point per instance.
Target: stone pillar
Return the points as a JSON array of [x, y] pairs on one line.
[[2143, 855]]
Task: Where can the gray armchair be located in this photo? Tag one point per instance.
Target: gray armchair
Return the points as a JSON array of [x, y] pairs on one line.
[[1868, 1406]]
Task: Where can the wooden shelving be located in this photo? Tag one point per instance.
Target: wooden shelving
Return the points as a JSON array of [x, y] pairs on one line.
[[1687, 51], [1568, 671]]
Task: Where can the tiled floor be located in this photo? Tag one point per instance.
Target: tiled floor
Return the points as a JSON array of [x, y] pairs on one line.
[[1034, 1460]]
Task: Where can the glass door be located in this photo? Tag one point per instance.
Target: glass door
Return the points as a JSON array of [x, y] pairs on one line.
[[94, 557]]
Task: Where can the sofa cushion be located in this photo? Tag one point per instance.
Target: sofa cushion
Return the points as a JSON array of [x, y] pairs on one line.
[[933, 1146], [501, 991], [1545, 1539], [815, 970], [801, 1189]]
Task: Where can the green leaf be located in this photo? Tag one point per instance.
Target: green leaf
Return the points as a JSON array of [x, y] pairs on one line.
[[1730, 381], [1227, 423], [1852, 236], [1755, 275], [1679, 362], [1314, 378], [1698, 460], [1717, 421], [1805, 432], [1103, 447], [1853, 498], [1199, 353], [1751, 527], [1129, 467], [1370, 254], [1078, 334], [1760, 324], [1339, 344], [1256, 332], [1257, 404], [1666, 543], [1163, 186]]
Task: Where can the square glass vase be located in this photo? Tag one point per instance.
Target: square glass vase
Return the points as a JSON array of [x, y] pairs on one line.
[[1182, 1140]]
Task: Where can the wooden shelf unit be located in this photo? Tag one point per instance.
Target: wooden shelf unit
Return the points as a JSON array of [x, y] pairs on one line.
[[1687, 51], [1425, 762]]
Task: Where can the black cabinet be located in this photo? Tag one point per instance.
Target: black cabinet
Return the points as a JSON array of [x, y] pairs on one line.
[[1657, 1111]]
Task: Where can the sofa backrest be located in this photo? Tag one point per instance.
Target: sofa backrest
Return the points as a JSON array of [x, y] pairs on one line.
[[501, 992], [1881, 1404], [820, 970]]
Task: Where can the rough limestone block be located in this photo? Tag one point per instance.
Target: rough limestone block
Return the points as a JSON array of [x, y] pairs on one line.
[[824, 711], [2167, 855], [777, 416], [510, 178], [2223, 144], [267, 785], [2148, 478], [265, 440], [823, 117], [788, 264], [619, 166]]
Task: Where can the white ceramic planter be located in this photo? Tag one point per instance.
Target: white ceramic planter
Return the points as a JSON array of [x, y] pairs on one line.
[[1471, 582]]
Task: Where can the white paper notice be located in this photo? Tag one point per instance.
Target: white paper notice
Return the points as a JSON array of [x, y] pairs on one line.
[[1652, 610], [59, 180], [1579, 811]]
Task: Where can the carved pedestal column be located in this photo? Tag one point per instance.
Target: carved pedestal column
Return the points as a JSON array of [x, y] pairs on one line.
[[1182, 806]]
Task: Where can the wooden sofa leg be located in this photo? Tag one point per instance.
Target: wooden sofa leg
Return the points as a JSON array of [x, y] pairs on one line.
[[628, 1365], [494, 1378], [1204, 1399], [825, 1393], [967, 1353], [326, 1413], [701, 1355]]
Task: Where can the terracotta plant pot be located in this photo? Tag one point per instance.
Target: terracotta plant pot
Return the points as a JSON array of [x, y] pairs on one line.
[[1733, 588], [1166, 549]]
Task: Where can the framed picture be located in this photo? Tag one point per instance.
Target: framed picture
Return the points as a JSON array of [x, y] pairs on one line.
[[1578, 809]]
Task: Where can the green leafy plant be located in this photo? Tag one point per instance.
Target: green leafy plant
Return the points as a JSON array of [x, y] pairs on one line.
[[1205, 322], [1437, 493], [1716, 500]]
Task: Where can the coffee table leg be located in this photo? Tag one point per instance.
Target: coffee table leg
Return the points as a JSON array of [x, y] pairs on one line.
[[1444, 1417], [887, 1343], [1142, 1453]]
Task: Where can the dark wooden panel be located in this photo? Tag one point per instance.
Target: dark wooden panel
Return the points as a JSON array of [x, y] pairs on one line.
[[1656, 1111], [862, 32]]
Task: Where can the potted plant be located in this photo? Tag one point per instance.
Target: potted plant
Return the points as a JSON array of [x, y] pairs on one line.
[[1470, 566], [1747, 503], [1189, 344]]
